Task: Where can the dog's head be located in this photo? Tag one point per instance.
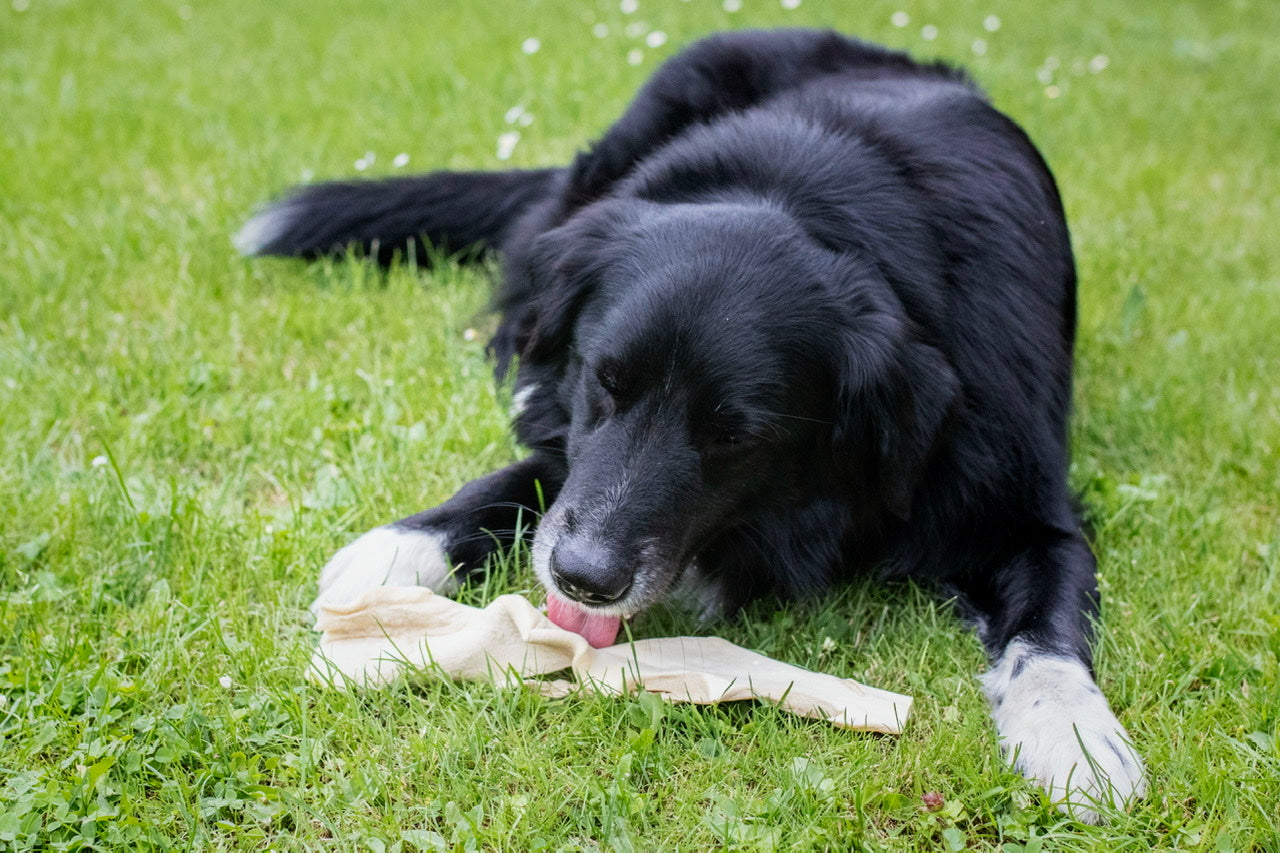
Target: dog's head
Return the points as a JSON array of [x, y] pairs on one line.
[[717, 366]]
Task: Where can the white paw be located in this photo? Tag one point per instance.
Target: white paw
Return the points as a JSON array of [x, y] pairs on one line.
[[1058, 730], [386, 556]]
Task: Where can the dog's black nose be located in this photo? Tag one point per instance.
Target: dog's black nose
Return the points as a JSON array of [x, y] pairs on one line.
[[582, 571]]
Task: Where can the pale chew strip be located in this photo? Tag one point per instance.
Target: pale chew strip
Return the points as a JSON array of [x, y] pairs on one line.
[[372, 639]]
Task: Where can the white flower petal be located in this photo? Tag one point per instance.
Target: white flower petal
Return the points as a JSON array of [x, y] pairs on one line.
[[507, 144]]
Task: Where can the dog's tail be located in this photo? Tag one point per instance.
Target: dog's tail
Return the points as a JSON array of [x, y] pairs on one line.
[[414, 216]]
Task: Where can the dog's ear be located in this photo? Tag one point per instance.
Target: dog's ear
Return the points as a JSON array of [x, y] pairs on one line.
[[564, 267], [894, 393]]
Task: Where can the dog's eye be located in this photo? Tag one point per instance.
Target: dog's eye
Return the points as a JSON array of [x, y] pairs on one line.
[[610, 381], [727, 437], [604, 397]]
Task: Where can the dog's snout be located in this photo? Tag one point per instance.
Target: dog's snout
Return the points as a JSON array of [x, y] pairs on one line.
[[584, 572]]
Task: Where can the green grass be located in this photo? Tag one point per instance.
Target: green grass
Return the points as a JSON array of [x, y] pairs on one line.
[[186, 436]]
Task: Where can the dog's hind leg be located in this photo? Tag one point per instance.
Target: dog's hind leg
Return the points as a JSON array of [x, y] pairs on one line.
[[1053, 722], [721, 74], [438, 547]]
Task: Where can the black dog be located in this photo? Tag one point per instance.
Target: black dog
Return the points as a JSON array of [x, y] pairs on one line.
[[806, 311]]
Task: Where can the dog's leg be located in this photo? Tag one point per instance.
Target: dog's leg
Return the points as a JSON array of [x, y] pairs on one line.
[[1053, 722], [438, 547]]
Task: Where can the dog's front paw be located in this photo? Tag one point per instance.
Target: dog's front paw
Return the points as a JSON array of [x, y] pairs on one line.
[[386, 556], [1058, 730]]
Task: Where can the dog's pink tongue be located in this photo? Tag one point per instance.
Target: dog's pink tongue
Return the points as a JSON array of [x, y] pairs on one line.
[[599, 630]]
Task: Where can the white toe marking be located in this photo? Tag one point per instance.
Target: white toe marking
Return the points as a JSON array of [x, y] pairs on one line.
[[263, 229], [1057, 729], [386, 556]]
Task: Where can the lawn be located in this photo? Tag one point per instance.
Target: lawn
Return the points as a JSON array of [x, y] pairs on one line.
[[185, 436]]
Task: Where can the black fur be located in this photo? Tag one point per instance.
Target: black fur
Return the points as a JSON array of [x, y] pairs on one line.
[[806, 311]]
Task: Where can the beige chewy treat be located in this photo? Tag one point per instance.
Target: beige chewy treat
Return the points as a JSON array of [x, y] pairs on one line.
[[372, 639]]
